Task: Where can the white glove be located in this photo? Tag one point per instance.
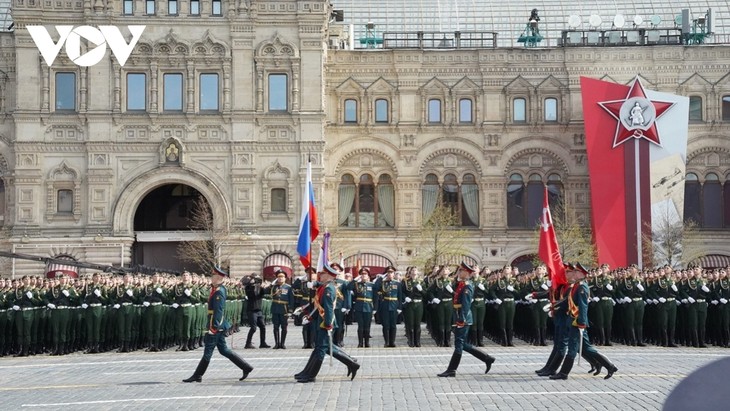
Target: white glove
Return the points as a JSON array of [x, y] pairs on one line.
[[550, 314], [305, 321], [545, 287], [609, 287], [16, 308], [498, 301], [29, 294], [684, 301], [418, 287], [159, 290], [375, 312], [310, 284], [130, 292], [65, 292], [549, 283], [662, 300], [546, 308], [344, 310], [640, 287], [175, 305], [714, 302], [481, 287], [117, 306], [408, 299], [596, 299], [691, 300], [674, 287], [51, 306], [188, 292], [628, 299], [655, 301], [723, 300], [435, 301], [678, 302], [146, 303], [298, 311], [510, 288], [399, 311], [358, 279], [448, 288], [705, 289], [97, 293], [84, 306], [613, 302]]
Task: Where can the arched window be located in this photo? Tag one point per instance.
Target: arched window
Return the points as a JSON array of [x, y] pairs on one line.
[[692, 191], [524, 201], [360, 204], [461, 199], [516, 201], [382, 112], [470, 201], [695, 108], [519, 110], [726, 203], [535, 199], [465, 111], [350, 111], [430, 195], [555, 196], [712, 201], [551, 109]]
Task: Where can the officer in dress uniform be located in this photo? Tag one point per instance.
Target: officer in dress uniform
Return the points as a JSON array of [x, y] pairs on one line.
[[362, 305], [462, 320], [389, 303], [282, 300], [414, 292], [304, 287], [322, 313], [215, 337], [343, 304]]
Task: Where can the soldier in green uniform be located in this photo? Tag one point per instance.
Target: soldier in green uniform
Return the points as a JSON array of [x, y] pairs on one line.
[[282, 298], [153, 298], [539, 284], [441, 294], [722, 295], [60, 299], [664, 291], [343, 304], [462, 320], [123, 297], [631, 292], [184, 296], [504, 294], [389, 303], [414, 293], [695, 294], [4, 329], [93, 299], [24, 300], [479, 307], [217, 327], [362, 304]]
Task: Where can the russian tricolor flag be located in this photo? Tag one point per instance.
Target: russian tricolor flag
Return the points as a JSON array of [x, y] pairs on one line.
[[308, 226]]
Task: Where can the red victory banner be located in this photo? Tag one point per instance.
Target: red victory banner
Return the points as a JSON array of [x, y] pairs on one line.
[[636, 141]]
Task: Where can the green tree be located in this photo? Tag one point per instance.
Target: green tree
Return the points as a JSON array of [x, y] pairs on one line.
[[670, 241], [575, 238]]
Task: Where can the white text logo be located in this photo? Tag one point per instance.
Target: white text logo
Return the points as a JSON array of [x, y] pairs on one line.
[[98, 37]]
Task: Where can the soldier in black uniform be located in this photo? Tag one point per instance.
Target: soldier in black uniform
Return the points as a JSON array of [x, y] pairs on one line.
[[255, 293]]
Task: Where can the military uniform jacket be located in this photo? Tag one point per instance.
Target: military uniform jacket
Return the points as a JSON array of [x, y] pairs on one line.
[[344, 300], [324, 306], [630, 288], [693, 288], [57, 297], [598, 288], [282, 299], [722, 289], [501, 291], [20, 297], [154, 294], [363, 299], [438, 290], [463, 296], [181, 297], [662, 288], [410, 289], [481, 291], [90, 296], [216, 306], [578, 304], [389, 294]]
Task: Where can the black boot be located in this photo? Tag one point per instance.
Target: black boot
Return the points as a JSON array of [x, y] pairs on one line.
[[262, 340], [391, 342], [367, 341], [447, 338], [481, 355], [386, 337], [553, 353], [596, 366], [453, 365], [409, 337], [601, 359], [608, 342], [480, 338], [313, 371], [543, 333], [307, 368], [240, 363], [251, 331], [504, 338], [510, 333], [640, 338], [564, 370], [702, 337], [417, 337], [352, 365], [282, 339], [359, 339], [199, 371], [552, 367], [276, 339], [437, 335]]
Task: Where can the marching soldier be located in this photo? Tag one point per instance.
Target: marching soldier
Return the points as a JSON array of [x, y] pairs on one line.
[[722, 295], [282, 299], [539, 284], [694, 294], [414, 292], [462, 319], [5, 336], [215, 337], [389, 303], [362, 305]]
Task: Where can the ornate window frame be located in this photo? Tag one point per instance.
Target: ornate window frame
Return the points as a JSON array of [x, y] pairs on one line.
[[63, 177]]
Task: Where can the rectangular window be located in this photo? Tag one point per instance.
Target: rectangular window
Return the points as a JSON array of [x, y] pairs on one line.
[[136, 91], [66, 91], [173, 87], [695, 108], [209, 92], [149, 8], [278, 200], [381, 111], [65, 201], [519, 114], [217, 8], [278, 92], [195, 7], [350, 111], [172, 7], [434, 111], [465, 111], [551, 109], [128, 7]]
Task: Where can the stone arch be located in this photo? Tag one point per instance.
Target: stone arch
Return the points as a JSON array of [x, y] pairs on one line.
[[171, 44], [133, 193], [209, 46], [277, 47], [342, 164], [454, 151], [511, 163]]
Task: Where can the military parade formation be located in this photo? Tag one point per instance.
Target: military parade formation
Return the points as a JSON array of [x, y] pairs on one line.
[[598, 307]]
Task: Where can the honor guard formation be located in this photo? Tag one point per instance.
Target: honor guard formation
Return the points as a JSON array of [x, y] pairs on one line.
[[588, 308]]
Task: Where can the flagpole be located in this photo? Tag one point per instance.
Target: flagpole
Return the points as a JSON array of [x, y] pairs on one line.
[[637, 184]]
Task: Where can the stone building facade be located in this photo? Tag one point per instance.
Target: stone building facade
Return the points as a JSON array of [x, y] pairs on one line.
[[232, 98]]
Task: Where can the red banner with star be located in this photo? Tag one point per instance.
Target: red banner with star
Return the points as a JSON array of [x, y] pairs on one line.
[[636, 140]]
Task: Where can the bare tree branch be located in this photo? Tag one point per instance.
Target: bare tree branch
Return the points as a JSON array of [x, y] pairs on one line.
[[204, 254]]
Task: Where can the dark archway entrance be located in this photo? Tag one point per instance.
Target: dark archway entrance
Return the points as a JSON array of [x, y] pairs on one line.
[[162, 221]]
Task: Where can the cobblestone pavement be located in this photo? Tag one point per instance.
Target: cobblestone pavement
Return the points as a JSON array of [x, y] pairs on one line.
[[390, 378]]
